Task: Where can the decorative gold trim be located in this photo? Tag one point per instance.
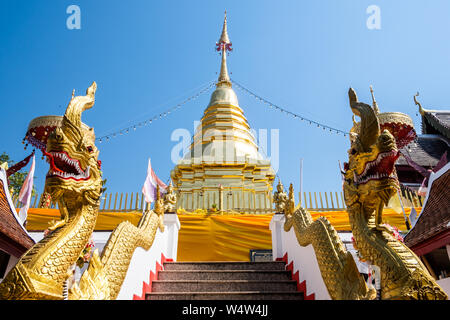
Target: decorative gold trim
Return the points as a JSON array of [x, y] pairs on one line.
[[395, 117], [223, 105], [50, 121]]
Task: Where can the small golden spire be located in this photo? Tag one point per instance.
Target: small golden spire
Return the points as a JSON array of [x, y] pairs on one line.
[[374, 102], [224, 36], [224, 45]]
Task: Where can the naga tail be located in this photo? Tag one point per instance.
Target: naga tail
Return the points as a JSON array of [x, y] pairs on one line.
[[105, 274], [337, 266]]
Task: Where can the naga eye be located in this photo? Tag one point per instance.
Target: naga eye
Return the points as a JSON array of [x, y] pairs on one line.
[[90, 149], [353, 151]]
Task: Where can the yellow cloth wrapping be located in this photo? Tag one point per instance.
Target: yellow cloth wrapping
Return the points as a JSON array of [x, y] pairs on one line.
[[39, 219], [222, 238], [339, 219], [204, 237]]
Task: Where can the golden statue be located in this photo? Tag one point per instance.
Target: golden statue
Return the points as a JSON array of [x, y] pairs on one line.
[[74, 182], [170, 199], [370, 181], [290, 202], [280, 198]]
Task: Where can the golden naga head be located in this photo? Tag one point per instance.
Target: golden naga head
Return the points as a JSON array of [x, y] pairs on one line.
[[72, 154], [372, 157]]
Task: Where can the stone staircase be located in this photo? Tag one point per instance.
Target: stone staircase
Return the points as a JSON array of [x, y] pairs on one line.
[[224, 281]]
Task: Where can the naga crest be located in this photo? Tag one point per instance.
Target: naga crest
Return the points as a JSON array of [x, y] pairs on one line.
[[370, 173], [72, 154]]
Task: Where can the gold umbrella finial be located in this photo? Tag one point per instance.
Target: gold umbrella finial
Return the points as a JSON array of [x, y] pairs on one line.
[[223, 46]]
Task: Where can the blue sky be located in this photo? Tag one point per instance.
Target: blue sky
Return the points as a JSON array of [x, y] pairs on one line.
[[147, 56]]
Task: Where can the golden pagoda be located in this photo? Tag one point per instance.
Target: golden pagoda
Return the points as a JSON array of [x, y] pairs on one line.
[[224, 169]]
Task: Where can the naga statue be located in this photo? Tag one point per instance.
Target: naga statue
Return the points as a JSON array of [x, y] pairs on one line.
[[369, 182], [74, 181]]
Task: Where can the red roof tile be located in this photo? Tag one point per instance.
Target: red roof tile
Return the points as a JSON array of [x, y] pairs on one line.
[[13, 239], [435, 216]]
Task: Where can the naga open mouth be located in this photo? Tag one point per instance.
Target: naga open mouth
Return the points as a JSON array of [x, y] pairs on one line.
[[64, 167], [380, 168]]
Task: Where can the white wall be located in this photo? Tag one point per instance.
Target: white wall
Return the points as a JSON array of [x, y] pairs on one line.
[[145, 261], [304, 258], [305, 261], [140, 266]]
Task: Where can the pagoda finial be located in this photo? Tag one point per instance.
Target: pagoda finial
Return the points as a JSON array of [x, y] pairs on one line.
[[374, 102], [224, 36], [223, 46]]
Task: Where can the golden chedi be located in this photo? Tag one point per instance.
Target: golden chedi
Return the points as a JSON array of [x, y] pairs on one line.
[[223, 168]]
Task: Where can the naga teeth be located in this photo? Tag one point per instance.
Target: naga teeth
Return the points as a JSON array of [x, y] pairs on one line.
[[74, 163], [362, 177]]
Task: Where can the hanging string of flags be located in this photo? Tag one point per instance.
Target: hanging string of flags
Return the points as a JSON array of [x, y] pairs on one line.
[[148, 121], [282, 110]]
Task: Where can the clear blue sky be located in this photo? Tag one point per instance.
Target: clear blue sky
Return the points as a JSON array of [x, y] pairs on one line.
[[148, 55]]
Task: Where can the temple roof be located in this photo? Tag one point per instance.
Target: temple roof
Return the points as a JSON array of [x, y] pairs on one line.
[[13, 238], [436, 122], [435, 216], [426, 151]]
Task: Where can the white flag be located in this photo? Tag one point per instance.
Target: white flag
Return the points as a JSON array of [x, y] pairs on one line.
[[25, 193], [149, 188]]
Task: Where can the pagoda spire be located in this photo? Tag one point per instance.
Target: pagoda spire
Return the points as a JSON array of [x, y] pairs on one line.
[[224, 36], [223, 46], [374, 102]]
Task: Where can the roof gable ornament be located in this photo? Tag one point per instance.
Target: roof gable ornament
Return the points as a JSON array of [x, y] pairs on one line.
[[421, 110]]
